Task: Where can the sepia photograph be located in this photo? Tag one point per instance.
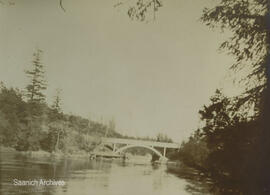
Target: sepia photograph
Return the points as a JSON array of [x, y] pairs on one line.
[[135, 97]]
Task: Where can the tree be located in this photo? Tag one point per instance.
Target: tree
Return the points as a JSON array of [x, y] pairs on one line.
[[56, 106], [140, 9], [163, 138], [232, 140], [56, 126], [13, 115], [29, 139], [248, 20], [194, 152], [110, 129], [37, 82]]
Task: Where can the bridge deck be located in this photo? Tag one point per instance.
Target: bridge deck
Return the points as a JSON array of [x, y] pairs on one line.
[[139, 142]]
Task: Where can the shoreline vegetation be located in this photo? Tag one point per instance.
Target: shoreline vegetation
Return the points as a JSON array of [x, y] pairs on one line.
[[29, 124], [42, 153]]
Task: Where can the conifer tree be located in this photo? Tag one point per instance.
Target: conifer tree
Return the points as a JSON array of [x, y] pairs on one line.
[[56, 106], [37, 81]]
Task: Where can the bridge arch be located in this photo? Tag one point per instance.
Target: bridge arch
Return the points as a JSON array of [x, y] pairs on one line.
[[141, 146]]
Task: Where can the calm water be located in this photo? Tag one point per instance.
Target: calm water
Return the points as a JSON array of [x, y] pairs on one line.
[[85, 177]]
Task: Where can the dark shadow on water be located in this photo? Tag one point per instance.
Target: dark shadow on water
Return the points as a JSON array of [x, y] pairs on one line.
[[199, 183]]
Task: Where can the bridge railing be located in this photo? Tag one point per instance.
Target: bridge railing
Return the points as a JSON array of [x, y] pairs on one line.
[[139, 142]]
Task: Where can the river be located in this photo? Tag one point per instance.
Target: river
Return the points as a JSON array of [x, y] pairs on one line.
[[86, 177]]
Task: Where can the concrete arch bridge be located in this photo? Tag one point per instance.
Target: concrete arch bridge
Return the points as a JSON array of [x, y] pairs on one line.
[[118, 146]]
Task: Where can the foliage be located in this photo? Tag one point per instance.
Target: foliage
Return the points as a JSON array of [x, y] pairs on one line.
[[247, 20], [37, 82], [163, 138], [225, 147], [140, 9], [50, 131], [194, 152], [13, 115], [237, 138], [57, 102]]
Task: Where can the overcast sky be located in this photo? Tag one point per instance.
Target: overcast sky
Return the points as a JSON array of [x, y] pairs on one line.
[[150, 77]]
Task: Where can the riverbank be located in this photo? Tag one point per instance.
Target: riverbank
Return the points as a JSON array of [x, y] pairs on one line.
[[6, 149], [42, 153]]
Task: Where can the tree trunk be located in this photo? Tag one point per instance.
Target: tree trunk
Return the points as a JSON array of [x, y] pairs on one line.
[[57, 141]]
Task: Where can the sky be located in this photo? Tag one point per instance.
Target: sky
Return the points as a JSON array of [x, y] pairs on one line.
[[149, 77]]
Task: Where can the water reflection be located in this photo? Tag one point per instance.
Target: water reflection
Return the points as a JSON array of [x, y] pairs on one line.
[[85, 177]]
